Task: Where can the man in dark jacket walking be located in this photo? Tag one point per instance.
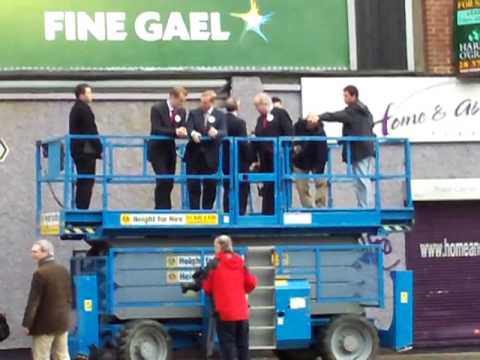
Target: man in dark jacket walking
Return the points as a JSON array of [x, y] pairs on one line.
[[310, 156], [84, 152], [46, 316], [228, 284], [357, 121], [168, 118], [236, 127], [202, 155]]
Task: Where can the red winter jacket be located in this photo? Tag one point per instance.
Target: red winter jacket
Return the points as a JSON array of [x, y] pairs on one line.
[[228, 284]]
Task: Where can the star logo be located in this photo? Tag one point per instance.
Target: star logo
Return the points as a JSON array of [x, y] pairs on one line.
[[254, 20]]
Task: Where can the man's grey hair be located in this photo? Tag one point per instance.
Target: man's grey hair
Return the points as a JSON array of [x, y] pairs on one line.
[[46, 246], [264, 99], [224, 242]]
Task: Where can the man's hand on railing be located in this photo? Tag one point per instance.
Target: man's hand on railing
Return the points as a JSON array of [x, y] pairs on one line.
[[196, 137], [213, 132], [181, 132]]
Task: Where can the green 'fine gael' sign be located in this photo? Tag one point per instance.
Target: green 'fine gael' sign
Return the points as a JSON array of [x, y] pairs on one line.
[[467, 36], [171, 34]]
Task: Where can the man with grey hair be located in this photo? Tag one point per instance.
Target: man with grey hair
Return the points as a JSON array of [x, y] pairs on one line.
[[228, 283], [272, 122], [46, 316]]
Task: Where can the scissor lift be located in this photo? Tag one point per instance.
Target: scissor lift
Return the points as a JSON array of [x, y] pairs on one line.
[[315, 279]]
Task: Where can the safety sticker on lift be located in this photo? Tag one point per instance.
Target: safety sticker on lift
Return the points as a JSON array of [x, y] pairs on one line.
[[187, 261], [168, 219], [50, 224]]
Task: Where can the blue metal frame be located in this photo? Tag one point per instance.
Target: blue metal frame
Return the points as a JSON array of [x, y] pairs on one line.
[[374, 300], [329, 219], [98, 327]]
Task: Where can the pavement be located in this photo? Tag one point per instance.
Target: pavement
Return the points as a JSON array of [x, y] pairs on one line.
[[412, 355]]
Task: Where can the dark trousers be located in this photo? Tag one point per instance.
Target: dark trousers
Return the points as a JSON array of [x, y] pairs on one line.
[[84, 166], [242, 196], [163, 189], [200, 167], [233, 339], [268, 188]]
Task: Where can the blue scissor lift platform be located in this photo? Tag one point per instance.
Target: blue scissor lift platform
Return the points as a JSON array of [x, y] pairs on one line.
[[313, 274]]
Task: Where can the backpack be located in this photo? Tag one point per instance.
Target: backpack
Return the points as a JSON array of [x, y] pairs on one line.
[[4, 328]]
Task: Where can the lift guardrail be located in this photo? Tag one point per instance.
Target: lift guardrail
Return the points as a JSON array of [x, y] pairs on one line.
[[55, 168]]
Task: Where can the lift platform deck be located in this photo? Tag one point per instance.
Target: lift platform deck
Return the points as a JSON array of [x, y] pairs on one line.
[[125, 164]]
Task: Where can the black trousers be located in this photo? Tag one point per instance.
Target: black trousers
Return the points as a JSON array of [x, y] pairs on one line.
[[200, 167], [268, 188], [242, 196], [165, 165], [84, 166], [233, 338]]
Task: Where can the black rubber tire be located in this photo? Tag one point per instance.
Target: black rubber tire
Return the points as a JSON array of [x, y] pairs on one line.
[[131, 331], [307, 354], [354, 321]]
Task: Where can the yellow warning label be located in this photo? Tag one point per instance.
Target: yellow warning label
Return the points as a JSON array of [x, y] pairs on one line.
[[276, 260], [179, 277], [404, 297], [167, 219], [172, 277], [126, 219], [172, 261], [88, 305], [202, 219], [281, 282], [50, 224]]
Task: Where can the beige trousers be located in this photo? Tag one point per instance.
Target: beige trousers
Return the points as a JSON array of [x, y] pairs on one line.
[[303, 189], [46, 345]]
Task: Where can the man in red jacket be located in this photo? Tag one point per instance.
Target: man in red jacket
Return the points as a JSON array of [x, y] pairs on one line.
[[228, 283]]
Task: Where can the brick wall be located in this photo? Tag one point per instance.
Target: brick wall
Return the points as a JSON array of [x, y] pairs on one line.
[[438, 22]]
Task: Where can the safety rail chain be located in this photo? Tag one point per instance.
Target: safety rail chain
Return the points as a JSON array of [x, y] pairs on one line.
[[59, 169]]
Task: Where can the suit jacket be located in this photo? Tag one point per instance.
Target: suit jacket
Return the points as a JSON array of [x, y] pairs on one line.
[[50, 300], [82, 122], [237, 127], [206, 150], [280, 125], [162, 125]]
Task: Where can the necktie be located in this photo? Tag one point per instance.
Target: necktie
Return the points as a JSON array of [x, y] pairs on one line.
[[205, 120], [172, 117], [265, 121]]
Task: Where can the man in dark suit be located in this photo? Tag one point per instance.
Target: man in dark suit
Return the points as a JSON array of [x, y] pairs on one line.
[[236, 127], [202, 155], [84, 152], [168, 118], [272, 122]]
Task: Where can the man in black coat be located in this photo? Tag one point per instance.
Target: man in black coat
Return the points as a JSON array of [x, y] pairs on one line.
[[84, 152], [236, 127], [272, 122], [357, 121], [168, 118], [202, 155], [310, 157]]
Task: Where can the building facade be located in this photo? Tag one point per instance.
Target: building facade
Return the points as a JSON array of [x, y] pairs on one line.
[[400, 53]]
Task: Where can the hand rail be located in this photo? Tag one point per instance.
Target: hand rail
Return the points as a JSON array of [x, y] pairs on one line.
[[282, 175]]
